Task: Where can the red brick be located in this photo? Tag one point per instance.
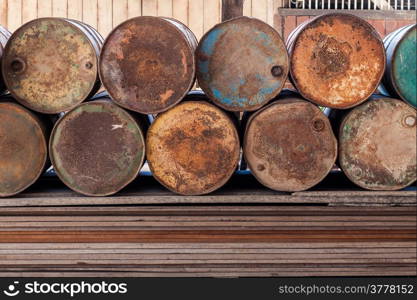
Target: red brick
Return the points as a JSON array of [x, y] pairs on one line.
[[290, 23], [379, 25], [390, 26], [302, 19]]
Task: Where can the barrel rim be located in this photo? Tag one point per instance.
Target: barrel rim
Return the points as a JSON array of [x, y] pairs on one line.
[[208, 92], [232, 168], [193, 64], [38, 124], [134, 175], [22, 101], [340, 134], [307, 25], [278, 101]]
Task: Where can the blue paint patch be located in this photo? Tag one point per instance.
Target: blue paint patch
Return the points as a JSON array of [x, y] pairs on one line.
[[209, 42]]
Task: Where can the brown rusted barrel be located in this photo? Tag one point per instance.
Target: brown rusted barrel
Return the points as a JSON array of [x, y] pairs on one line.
[[147, 63], [4, 37], [193, 148], [377, 144], [241, 64], [337, 60], [97, 148], [23, 147], [51, 64], [289, 145]]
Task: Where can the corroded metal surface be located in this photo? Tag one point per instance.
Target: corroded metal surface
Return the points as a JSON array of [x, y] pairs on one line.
[[400, 77], [377, 144], [4, 37], [337, 60], [147, 63], [23, 148], [289, 145], [50, 64], [97, 148], [192, 148], [241, 64]]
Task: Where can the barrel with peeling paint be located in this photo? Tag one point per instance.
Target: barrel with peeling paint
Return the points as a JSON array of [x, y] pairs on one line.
[[97, 148], [289, 145], [193, 148], [400, 79], [50, 65], [337, 60], [147, 63], [377, 144], [4, 37], [242, 64], [23, 147]]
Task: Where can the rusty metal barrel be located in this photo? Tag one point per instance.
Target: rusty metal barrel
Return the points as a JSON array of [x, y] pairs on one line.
[[50, 65], [193, 148], [4, 37], [377, 144], [147, 63], [289, 145], [337, 60], [97, 148], [241, 64], [23, 147], [400, 78]]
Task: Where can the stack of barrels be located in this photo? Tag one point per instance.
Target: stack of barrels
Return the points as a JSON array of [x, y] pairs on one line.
[[194, 141]]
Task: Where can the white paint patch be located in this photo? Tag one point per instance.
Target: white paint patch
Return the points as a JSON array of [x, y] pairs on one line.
[[116, 126]]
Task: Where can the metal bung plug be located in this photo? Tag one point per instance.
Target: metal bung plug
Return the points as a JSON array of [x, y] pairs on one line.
[[409, 121], [277, 71], [18, 65], [318, 125]]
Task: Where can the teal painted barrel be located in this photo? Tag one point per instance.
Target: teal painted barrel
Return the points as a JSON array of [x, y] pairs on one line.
[[400, 78], [242, 64]]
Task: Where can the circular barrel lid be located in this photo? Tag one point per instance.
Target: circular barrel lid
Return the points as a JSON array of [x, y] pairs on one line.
[[289, 145], [241, 64], [337, 60], [147, 63], [193, 148], [50, 65], [97, 148], [23, 148], [377, 144]]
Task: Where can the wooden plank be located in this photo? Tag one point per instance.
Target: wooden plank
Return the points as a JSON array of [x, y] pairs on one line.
[[44, 8], [29, 10], [232, 9], [196, 18], [3, 13], [59, 8], [90, 12], [180, 10], [105, 17], [260, 9], [134, 8], [149, 8], [164, 8], [75, 10], [212, 14], [247, 8], [14, 14], [119, 12]]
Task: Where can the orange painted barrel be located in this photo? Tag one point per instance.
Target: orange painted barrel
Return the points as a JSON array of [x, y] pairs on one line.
[[193, 148], [4, 37], [289, 144], [50, 65], [377, 144], [97, 148], [147, 63], [337, 60], [23, 147]]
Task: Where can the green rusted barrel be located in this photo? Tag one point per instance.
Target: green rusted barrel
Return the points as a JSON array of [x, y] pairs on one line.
[[241, 64], [289, 145], [400, 78], [377, 144], [23, 147], [97, 148]]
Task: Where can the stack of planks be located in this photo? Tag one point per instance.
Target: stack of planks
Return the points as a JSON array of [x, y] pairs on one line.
[[208, 240]]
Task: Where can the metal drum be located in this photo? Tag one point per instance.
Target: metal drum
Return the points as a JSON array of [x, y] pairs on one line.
[[337, 60], [241, 64], [97, 148], [4, 37], [147, 63], [400, 79], [51, 64], [23, 147], [289, 145], [193, 148], [377, 144]]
